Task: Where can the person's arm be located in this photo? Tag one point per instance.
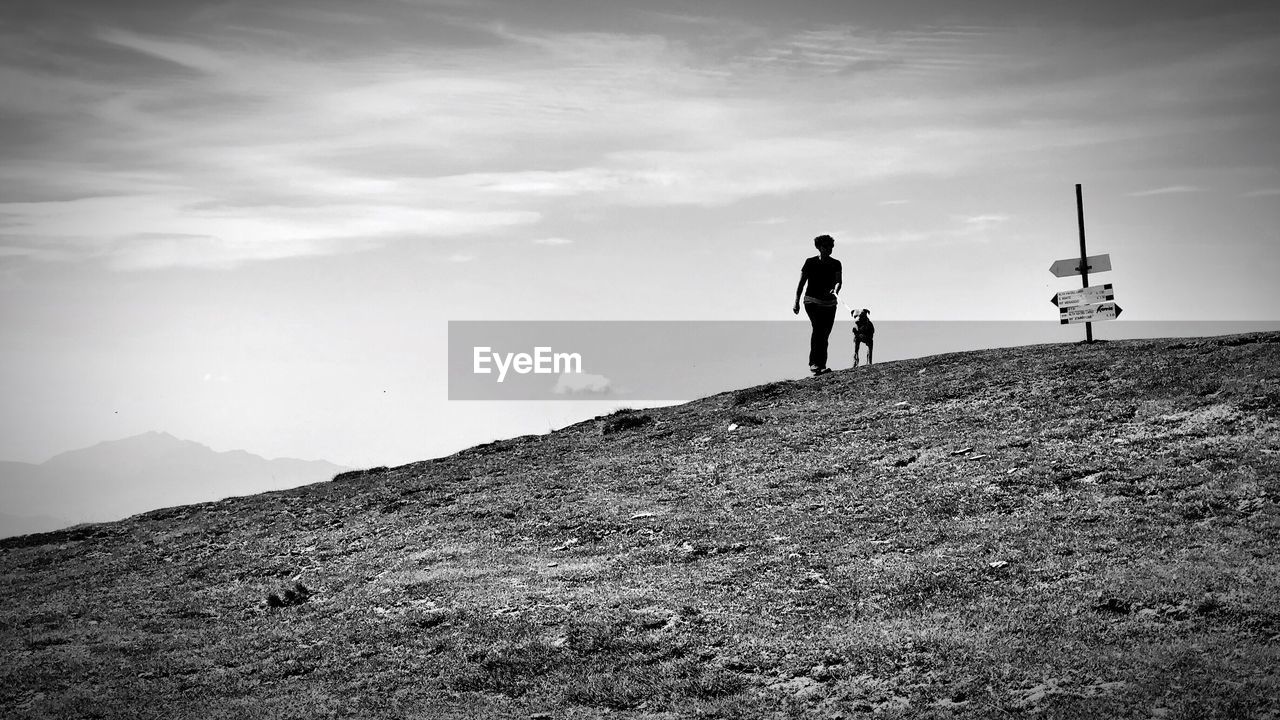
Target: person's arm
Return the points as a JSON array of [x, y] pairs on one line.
[[835, 289], [804, 277]]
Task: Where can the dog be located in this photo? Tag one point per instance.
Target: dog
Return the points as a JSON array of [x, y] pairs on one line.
[[864, 332]]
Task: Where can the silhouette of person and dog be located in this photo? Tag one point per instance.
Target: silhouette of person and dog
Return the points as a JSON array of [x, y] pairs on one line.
[[821, 280]]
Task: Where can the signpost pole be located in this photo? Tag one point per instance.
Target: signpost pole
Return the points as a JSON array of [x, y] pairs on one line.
[[1084, 261]]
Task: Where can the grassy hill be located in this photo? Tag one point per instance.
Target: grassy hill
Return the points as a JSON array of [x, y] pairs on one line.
[[1059, 530]]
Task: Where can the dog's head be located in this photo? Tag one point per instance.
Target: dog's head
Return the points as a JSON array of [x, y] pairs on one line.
[[863, 313]]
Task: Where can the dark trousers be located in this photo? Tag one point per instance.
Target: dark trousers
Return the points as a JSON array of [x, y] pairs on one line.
[[823, 318]]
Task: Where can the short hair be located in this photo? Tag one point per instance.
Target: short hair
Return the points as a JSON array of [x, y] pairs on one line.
[[824, 240]]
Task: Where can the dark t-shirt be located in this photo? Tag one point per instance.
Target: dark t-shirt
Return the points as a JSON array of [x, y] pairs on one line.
[[823, 275]]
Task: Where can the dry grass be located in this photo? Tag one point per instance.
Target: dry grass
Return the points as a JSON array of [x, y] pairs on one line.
[[1064, 531]]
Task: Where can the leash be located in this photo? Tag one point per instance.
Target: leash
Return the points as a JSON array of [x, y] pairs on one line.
[[847, 306]]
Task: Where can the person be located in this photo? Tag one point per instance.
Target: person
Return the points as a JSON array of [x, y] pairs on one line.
[[822, 274]]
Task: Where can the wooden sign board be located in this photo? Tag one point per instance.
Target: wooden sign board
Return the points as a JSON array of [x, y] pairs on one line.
[[1089, 313], [1084, 296], [1071, 266]]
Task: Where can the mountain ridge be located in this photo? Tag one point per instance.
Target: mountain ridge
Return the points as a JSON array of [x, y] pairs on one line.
[[116, 478]]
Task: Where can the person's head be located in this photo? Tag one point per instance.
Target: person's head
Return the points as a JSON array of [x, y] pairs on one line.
[[825, 244]]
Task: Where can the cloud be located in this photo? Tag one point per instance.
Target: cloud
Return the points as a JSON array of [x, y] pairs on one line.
[[958, 229], [984, 221], [579, 181], [555, 241], [890, 238], [974, 228], [461, 258], [1169, 190], [582, 384], [282, 143], [147, 233], [157, 251], [1263, 192], [186, 54], [844, 50]]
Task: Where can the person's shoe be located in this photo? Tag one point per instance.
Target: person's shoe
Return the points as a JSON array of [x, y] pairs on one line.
[[821, 371], [814, 368]]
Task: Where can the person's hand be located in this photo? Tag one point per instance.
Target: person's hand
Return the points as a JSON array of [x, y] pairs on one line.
[[796, 308]]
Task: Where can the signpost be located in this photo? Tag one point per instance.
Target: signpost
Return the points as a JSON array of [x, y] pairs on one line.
[[1089, 313], [1071, 266], [1088, 303], [1083, 296]]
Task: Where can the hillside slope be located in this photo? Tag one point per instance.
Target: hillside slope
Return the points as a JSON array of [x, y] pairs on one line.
[[1067, 530]]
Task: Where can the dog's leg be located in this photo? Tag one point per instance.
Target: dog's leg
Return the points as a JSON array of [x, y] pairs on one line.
[[870, 348], [857, 345]]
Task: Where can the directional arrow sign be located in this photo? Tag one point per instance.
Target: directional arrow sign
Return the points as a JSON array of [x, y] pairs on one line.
[[1071, 266], [1089, 313], [1083, 296]]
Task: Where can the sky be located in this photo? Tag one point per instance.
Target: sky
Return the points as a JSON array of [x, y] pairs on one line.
[[248, 224]]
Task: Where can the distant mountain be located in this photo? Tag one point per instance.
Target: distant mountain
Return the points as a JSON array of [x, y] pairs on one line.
[[27, 524], [115, 479]]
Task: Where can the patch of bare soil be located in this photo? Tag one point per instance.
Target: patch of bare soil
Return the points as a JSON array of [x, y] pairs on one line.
[[1057, 531]]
